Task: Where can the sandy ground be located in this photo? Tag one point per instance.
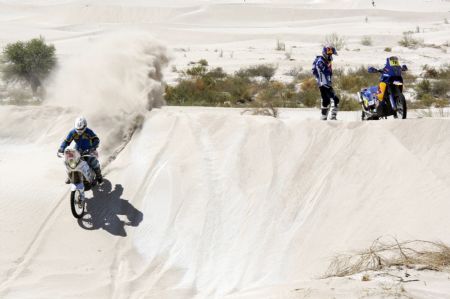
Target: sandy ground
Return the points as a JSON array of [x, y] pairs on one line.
[[210, 203]]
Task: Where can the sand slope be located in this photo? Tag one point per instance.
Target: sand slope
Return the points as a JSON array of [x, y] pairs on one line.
[[214, 203]]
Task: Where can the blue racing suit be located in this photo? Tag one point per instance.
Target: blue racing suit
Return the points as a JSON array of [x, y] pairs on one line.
[[85, 142], [323, 72]]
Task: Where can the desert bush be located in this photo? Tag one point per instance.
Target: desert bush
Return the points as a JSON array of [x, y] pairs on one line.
[[429, 72], [203, 62], [440, 88], [309, 95], [277, 94], [366, 40], [424, 101], [280, 46], [30, 62], [423, 87], [200, 85], [348, 103], [335, 40], [353, 80], [422, 255], [444, 72], [409, 41], [433, 88], [387, 49], [294, 72], [265, 71], [441, 103]]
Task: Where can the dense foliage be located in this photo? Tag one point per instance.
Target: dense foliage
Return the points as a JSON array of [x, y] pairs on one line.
[[30, 61]]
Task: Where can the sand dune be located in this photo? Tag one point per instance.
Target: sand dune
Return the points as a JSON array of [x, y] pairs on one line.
[[213, 204]]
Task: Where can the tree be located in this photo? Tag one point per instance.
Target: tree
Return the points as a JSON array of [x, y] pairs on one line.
[[30, 61]]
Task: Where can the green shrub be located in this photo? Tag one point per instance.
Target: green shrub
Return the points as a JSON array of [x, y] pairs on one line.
[[335, 40], [353, 80], [309, 96], [30, 61], [425, 101], [347, 103], [366, 40], [203, 62], [387, 49], [440, 88], [277, 94], [266, 71], [422, 88]]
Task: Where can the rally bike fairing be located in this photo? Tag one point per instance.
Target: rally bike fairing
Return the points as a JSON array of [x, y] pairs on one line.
[[387, 98], [80, 174], [82, 178]]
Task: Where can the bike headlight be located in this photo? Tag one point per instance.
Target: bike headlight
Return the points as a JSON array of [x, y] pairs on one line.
[[72, 163]]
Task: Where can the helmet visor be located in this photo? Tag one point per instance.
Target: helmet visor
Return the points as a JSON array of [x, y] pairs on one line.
[[80, 131]]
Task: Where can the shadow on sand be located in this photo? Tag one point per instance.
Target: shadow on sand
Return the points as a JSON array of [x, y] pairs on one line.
[[105, 207]]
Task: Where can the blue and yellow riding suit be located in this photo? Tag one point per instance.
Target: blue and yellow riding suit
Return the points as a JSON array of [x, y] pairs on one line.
[[85, 142], [323, 72]]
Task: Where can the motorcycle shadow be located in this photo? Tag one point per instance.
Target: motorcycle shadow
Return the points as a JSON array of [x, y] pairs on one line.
[[108, 211]]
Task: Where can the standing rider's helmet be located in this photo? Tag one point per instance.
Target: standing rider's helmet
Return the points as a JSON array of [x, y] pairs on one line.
[[80, 125], [328, 52]]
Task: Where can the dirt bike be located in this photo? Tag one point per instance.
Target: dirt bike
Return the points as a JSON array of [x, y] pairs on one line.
[[82, 178], [393, 102]]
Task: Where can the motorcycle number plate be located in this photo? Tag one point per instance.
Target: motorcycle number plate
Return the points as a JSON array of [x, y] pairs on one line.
[[394, 62]]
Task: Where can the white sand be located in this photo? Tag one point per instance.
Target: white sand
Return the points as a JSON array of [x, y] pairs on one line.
[[203, 202]]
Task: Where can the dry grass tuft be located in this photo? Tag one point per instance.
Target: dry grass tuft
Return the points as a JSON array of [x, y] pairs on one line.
[[418, 254], [264, 109]]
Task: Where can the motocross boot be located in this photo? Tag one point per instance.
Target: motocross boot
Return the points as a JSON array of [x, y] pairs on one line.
[[324, 115], [334, 112], [98, 175]]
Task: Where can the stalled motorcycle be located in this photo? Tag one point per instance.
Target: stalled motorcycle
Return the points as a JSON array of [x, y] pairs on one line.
[[387, 98], [82, 178]]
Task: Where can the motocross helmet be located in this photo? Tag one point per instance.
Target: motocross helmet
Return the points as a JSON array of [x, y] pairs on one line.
[[80, 125], [328, 52]]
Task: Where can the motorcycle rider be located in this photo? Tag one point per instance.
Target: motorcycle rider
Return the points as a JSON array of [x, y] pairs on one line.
[[86, 142], [323, 72]]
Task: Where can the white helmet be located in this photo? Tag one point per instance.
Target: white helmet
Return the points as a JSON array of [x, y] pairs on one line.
[[80, 125]]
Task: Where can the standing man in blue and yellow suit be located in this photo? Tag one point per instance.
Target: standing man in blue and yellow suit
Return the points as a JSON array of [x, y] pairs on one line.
[[86, 143], [323, 72]]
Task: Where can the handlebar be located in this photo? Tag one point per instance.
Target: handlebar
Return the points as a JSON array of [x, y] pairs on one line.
[[88, 154]]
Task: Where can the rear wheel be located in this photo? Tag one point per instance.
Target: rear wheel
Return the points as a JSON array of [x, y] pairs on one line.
[[77, 203], [401, 106]]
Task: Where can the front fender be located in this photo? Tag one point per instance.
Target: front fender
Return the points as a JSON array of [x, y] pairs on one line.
[[74, 187]]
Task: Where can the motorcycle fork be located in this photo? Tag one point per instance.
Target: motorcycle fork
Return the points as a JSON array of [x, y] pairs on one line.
[[392, 99]]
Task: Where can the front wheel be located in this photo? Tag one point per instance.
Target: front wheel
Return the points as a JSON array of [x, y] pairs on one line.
[[77, 203], [401, 106]]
